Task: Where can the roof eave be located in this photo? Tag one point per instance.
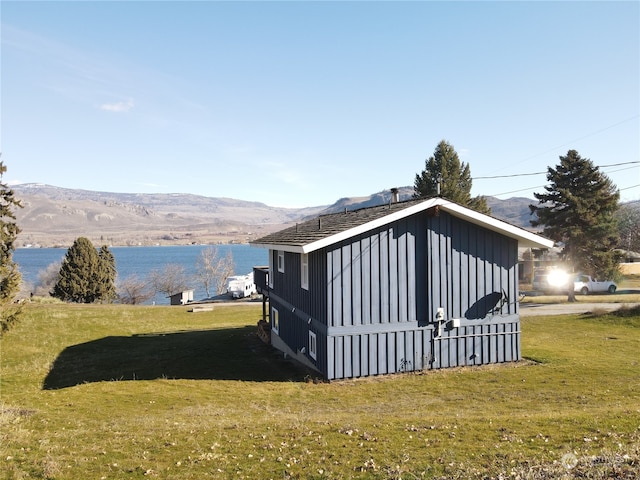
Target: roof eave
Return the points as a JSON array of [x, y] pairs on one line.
[[283, 247], [525, 238]]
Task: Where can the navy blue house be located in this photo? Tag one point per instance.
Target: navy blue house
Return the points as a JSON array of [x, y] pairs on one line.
[[406, 286]]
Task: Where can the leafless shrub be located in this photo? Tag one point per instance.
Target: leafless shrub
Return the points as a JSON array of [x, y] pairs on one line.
[[47, 278], [169, 280], [212, 270], [133, 291]]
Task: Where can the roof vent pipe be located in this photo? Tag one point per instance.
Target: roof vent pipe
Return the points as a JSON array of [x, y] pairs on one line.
[[394, 195]]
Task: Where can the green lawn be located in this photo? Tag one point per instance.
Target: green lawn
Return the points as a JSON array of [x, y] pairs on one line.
[[91, 392]]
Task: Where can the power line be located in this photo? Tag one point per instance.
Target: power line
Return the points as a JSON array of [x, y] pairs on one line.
[[543, 173], [620, 170], [578, 139], [542, 186], [618, 164], [509, 176], [516, 191]]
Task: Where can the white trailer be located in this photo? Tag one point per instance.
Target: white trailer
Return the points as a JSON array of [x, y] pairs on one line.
[[241, 286]]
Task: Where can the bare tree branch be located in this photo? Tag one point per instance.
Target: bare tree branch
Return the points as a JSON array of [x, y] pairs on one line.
[[169, 280], [134, 291], [213, 269]]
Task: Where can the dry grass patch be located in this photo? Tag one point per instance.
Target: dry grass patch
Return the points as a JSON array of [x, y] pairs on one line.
[[208, 400]]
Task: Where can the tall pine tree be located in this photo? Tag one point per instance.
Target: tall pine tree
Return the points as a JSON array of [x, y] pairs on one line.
[[9, 275], [578, 209], [108, 274], [86, 276], [453, 177]]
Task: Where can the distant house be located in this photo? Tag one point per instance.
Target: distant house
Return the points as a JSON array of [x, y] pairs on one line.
[[532, 259], [630, 262], [406, 286], [181, 298]]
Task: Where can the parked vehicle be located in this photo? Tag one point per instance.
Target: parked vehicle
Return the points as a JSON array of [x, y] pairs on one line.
[[551, 281], [241, 286], [585, 285]]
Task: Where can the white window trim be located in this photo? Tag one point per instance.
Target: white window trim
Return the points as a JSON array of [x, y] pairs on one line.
[[313, 345], [270, 279], [275, 320], [281, 261], [304, 270]]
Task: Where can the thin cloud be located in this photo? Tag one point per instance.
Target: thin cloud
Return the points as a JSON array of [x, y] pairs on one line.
[[67, 70], [117, 107]]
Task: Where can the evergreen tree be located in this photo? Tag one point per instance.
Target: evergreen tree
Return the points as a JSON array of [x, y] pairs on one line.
[[579, 210], [108, 274], [9, 275], [85, 277], [445, 171]]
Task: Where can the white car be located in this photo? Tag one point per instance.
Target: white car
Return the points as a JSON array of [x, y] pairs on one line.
[[585, 285]]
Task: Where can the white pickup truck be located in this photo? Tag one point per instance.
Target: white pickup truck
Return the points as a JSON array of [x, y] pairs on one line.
[[585, 285]]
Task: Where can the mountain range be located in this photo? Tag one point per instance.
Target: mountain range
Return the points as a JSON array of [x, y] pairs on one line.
[[54, 217]]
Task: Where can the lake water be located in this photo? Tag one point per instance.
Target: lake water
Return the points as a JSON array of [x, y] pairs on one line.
[[143, 260]]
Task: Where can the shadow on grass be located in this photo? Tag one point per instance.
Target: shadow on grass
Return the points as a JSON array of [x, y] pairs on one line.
[[223, 354]]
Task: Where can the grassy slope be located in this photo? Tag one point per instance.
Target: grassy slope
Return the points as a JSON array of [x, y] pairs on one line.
[[209, 400]]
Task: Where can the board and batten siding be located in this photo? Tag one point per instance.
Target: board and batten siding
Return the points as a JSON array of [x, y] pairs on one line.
[[384, 289], [373, 302], [372, 279], [300, 310], [372, 299], [470, 269]]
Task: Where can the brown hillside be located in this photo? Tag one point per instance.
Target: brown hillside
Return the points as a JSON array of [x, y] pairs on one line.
[[54, 216]]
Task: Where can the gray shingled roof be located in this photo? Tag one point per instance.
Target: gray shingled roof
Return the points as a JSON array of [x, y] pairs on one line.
[[327, 229], [327, 225]]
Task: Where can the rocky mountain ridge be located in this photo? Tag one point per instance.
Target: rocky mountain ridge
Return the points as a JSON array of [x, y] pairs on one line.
[[54, 216]]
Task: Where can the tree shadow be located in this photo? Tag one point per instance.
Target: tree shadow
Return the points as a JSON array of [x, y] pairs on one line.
[[221, 354]]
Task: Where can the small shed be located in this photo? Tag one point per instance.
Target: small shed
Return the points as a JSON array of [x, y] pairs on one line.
[[406, 286], [181, 298]]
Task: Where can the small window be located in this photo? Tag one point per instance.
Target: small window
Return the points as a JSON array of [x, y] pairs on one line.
[[280, 261], [275, 321], [313, 345], [304, 271], [270, 274]]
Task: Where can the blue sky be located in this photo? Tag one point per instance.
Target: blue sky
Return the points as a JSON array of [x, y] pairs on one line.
[[301, 103]]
